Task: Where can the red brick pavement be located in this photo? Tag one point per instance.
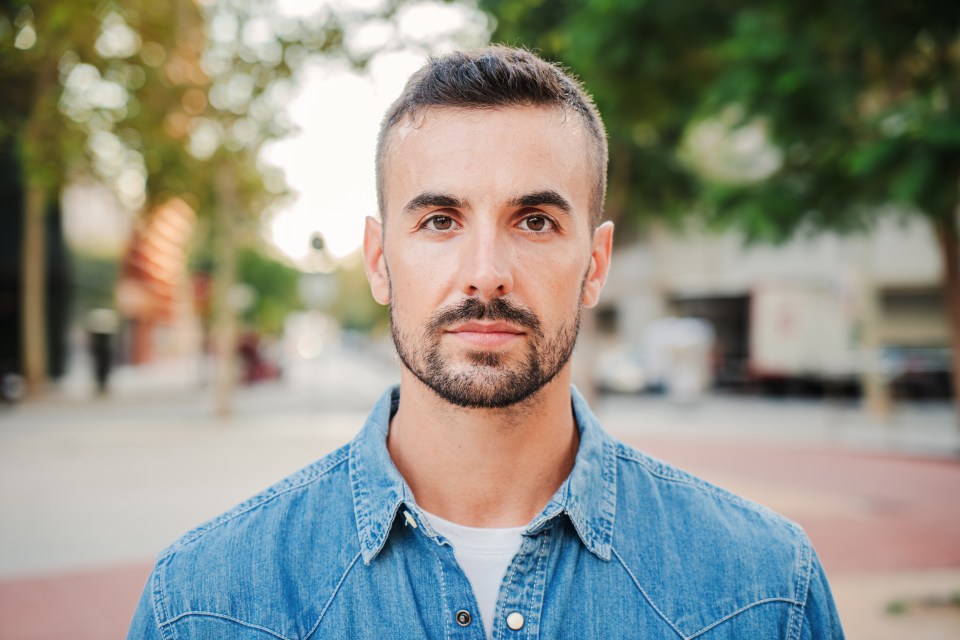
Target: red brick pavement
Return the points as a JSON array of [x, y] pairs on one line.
[[84, 605], [863, 512]]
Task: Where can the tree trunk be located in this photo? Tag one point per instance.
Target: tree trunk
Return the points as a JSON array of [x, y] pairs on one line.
[[39, 187], [33, 293], [949, 240], [225, 323]]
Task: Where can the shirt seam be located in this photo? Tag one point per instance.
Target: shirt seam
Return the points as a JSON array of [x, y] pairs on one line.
[[644, 593], [333, 595], [212, 614], [443, 594], [540, 580], [710, 626], [160, 600], [508, 578], [803, 578], [733, 614], [166, 626]]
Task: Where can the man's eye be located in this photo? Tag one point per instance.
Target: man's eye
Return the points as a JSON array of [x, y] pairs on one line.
[[439, 223], [536, 223]]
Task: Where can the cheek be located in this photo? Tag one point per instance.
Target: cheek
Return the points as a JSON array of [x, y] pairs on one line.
[[555, 285], [416, 284]]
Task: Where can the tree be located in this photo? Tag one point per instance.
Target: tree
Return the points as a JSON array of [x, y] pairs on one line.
[[860, 99], [645, 63], [147, 103], [80, 98], [864, 100], [31, 46]]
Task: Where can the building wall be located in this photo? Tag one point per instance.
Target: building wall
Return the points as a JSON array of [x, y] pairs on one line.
[[893, 254], [897, 264]]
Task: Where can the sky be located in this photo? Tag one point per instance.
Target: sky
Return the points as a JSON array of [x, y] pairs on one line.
[[329, 162]]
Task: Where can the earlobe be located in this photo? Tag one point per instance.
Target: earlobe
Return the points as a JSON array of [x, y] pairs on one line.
[[373, 261], [599, 264]]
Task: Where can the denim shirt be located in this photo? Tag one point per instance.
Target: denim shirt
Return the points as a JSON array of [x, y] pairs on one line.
[[628, 547]]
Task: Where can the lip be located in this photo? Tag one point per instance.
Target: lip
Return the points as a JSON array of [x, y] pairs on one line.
[[486, 327], [486, 334]]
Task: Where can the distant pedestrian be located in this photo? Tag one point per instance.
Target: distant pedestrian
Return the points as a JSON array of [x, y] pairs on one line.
[[102, 328], [482, 498]]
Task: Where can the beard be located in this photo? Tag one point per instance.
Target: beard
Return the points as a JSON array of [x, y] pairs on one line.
[[490, 380]]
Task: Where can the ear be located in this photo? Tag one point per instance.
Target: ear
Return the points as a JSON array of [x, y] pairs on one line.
[[373, 261], [599, 264]]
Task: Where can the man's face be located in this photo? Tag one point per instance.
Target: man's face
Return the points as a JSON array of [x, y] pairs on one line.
[[486, 254]]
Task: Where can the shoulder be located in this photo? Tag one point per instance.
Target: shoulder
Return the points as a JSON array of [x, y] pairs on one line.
[[293, 542], [706, 508], [683, 538]]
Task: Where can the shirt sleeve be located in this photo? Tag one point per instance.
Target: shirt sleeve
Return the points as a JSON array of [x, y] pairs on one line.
[[820, 620], [144, 624]]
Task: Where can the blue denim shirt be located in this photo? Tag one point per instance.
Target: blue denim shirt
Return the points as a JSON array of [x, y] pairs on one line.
[[628, 547]]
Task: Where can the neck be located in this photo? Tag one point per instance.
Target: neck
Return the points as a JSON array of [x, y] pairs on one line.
[[484, 467]]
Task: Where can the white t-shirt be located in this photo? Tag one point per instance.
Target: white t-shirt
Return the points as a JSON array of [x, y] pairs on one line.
[[484, 555]]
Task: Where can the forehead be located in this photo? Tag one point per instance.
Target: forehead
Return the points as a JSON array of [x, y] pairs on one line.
[[474, 152]]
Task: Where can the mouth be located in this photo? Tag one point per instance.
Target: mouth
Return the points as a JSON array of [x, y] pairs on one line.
[[486, 334]]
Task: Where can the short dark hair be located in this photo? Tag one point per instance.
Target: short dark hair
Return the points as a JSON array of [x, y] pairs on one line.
[[495, 77]]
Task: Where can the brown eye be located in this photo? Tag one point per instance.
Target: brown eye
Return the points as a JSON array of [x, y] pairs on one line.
[[441, 223], [536, 223]]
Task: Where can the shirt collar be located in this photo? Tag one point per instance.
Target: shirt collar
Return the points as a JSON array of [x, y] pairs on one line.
[[587, 496]]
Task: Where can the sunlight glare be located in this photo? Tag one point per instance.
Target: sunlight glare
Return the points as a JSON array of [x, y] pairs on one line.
[[329, 161]]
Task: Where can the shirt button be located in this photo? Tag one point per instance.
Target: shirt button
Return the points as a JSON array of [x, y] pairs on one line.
[[463, 618], [515, 621]]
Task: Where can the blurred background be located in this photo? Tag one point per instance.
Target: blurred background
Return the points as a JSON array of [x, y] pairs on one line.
[[184, 317]]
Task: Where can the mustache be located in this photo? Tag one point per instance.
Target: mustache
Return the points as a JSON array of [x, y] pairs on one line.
[[497, 309]]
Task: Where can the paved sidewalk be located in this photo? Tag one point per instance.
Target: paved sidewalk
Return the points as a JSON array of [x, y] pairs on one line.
[[904, 605], [928, 429]]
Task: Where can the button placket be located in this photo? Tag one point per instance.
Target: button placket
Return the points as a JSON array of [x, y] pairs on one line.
[[521, 597], [459, 604]]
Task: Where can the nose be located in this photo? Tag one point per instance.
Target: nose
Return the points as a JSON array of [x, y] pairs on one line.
[[486, 264]]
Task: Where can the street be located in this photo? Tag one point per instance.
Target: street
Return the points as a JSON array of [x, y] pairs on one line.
[[91, 489]]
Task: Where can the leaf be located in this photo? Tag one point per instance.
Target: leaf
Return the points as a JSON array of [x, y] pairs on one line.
[[872, 157], [914, 178], [941, 133]]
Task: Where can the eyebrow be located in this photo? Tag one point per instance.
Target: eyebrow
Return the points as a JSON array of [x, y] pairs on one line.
[[547, 197], [430, 199]]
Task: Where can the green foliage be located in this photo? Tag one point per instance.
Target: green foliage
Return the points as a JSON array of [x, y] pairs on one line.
[[32, 41], [146, 97], [862, 98], [275, 286], [645, 63]]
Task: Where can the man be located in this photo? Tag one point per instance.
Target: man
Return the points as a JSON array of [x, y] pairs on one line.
[[482, 498]]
